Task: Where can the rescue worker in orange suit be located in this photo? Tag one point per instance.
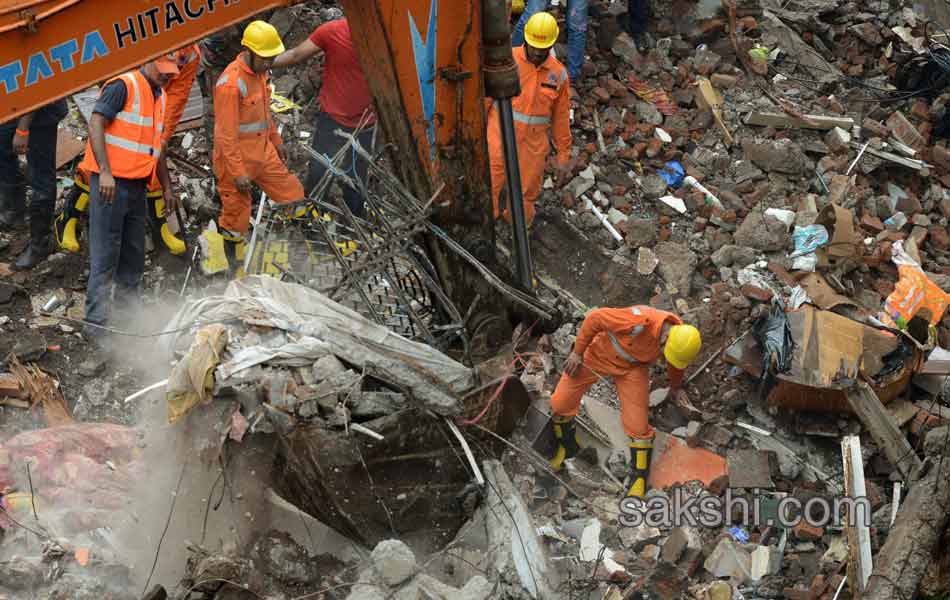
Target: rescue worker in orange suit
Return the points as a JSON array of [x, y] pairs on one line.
[[123, 155], [542, 108], [177, 90], [247, 147], [622, 343]]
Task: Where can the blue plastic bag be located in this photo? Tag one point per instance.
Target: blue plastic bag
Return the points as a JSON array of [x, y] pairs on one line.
[[808, 239], [673, 174]]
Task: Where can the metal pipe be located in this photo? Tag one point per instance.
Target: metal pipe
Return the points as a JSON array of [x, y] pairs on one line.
[[519, 227]]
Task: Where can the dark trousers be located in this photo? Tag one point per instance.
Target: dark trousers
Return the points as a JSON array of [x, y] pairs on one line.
[[326, 142], [41, 168], [638, 13], [116, 250]]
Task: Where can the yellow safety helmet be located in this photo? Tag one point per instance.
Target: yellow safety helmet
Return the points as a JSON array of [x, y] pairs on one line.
[[517, 7], [682, 345], [261, 38], [541, 30]]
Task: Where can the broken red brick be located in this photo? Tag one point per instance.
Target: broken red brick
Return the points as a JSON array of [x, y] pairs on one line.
[[653, 147], [756, 293], [883, 287], [940, 156], [923, 421], [616, 88], [600, 94], [878, 129], [567, 200], [782, 274], [723, 81], [807, 532], [939, 237], [921, 110], [663, 234]]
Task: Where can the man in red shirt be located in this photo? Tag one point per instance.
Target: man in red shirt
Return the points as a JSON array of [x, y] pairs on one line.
[[345, 101]]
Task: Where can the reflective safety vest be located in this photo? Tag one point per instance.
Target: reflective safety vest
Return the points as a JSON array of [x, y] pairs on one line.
[[254, 115], [134, 138]]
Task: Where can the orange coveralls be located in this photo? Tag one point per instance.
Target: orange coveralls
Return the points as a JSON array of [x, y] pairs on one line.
[[178, 89], [245, 144], [620, 343], [543, 107]]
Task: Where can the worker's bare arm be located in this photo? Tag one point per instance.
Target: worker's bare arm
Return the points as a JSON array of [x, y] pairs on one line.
[[97, 139], [299, 53]]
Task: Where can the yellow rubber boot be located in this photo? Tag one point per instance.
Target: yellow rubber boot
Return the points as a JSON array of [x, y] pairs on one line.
[[568, 444], [156, 204], [235, 249], [66, 223], [641, 452], [213, 258]]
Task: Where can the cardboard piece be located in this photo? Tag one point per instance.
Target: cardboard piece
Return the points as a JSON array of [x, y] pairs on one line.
[[844, 241], [832, 350], [821, 293], [68, 147], [830, 353]]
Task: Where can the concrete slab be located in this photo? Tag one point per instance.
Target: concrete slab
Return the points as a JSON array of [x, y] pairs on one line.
[[749, 469]]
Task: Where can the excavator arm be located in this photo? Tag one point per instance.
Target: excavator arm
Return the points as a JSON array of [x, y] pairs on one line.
[[52, 48]]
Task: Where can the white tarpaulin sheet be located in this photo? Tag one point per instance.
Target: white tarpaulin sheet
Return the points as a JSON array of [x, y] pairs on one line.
[[317, 326]]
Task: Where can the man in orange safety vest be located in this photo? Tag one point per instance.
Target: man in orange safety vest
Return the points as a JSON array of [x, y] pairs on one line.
[[123, 155]]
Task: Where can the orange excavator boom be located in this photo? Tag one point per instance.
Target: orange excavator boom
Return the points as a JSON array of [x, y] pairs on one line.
[[52, 48]]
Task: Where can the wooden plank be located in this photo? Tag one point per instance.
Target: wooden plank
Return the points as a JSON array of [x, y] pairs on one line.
[[10, 387], [771, 119], [15, 403], [865, 403], [860, 562], [910, 163], [915, 537]]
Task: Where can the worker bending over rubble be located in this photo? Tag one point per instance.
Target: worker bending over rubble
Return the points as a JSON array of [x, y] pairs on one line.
[[622, 343], [176, 89], [33, 134], [542, 107], [123, 155], [345, 103], [247, 147]]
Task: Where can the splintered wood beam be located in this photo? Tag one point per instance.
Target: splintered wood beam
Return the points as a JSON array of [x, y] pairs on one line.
[[865, 403], [859, 536], [772, 119], [913, 540]]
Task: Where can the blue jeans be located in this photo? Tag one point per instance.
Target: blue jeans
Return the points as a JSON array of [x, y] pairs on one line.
[[326, 142], [638, 16], [41, 167], [116, 250], [576, 31]]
